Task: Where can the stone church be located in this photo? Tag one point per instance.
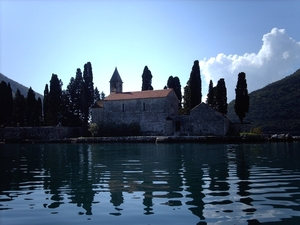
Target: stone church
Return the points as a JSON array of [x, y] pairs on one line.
[[157, 112]]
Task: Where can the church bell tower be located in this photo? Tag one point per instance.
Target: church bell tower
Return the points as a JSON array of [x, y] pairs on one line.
[[116, 83]]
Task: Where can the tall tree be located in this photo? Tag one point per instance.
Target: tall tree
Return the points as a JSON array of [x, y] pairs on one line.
[[46, 112], [88, 92], [210, 95], [6, 102], [72, 100], [31, 104], [187, 98], [76, 94], [19, 109], [96, 95], [147, 79], [174, 83], [67, 114], [55, 95], [195, 85], [102, 95], [221, 97], [39, 112], [241, 105], [10, 103]]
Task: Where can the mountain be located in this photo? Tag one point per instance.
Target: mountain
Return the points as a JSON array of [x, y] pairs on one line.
[[15, 85], [275, 108]]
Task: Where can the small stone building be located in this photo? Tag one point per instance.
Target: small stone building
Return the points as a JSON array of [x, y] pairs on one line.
[[204, 120], [157, 112]]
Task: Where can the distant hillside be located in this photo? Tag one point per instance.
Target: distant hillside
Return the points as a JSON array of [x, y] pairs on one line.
[[15, 85], [275, 108]]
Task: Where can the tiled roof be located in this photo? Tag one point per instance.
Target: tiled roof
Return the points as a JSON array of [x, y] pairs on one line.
[[139, 95]]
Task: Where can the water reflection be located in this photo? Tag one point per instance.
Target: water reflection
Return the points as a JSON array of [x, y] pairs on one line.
[[215, 183]]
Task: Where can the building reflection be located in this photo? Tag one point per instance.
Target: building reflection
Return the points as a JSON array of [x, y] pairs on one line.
[[165, 175]]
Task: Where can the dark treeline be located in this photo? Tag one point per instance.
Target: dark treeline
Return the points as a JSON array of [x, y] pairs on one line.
[[72, 106], [216, 97], [18, 110]]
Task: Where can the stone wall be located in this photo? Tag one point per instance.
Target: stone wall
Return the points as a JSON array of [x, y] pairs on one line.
[[203, 120], [150, 113], [97, 115], [19, 134]]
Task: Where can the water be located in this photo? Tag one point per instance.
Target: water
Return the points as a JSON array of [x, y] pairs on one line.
[[150, 184]]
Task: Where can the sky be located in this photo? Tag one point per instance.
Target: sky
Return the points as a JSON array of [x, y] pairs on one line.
[[258, 37]]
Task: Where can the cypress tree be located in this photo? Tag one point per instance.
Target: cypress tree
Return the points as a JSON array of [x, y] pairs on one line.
[[241, 105], [46, 112], [187, 98], [19, 109], [147, 79], [96, 95], [72, 100], [6, 102], [174, 83], [55, 95], [38, 112], [67, 115], [221, 97], [31, 104], [195, 85], [102, 95], [9, 104], [76, 95], [88, 92], [210, 95]]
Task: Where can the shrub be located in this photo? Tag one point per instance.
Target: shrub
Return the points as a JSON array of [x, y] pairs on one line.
[[256, 130], [93, 129]]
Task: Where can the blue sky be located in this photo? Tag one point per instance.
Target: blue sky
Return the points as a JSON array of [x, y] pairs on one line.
[[260, 38]]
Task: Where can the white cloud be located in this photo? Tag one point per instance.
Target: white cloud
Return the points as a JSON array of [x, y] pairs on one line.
[[278, 57]]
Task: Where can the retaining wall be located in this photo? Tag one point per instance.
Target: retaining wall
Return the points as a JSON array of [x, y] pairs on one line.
[[19, 134]]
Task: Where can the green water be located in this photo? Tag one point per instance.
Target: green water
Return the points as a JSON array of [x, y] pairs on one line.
[[150, 184]]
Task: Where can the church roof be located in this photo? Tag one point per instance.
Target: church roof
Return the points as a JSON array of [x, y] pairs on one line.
[[139, 95], [116, 76]]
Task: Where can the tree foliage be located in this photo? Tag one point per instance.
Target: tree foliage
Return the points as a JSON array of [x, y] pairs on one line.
[[6, 102], [31, 109], [210, 100], [54, 102], [147, 79], [221, 97], [241, 97], [187, 98], [19, 109], [72, 98], [174, 83], [102, 95], [87, 94], [46, 112], [195, 85], [96, 95]]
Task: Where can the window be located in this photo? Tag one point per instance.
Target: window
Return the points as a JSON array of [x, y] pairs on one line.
[[123, 107], [144, 106]]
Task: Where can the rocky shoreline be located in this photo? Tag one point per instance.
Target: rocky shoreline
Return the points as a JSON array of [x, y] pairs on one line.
[[167, 139]]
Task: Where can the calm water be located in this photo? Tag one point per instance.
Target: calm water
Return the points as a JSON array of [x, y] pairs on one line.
[[150, 184]]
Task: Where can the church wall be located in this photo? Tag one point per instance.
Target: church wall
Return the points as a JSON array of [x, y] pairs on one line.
[[150, 113], [97, 115]]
